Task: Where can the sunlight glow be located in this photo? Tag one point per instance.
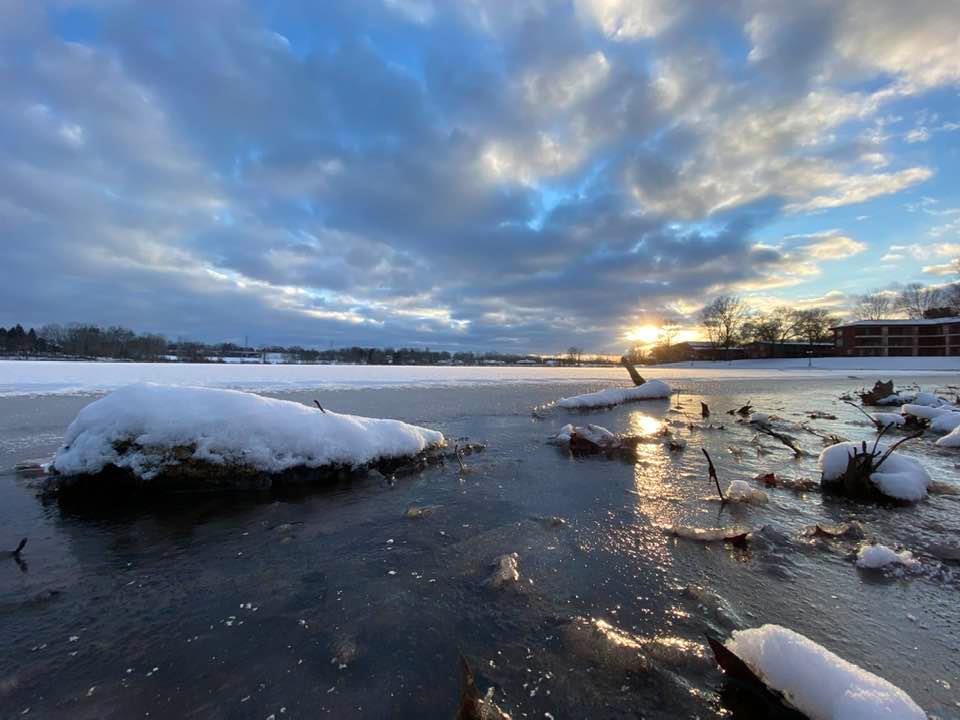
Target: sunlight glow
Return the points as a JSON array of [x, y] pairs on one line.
[[644, 334]]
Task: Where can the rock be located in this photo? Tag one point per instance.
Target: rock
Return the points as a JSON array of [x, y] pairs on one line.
[[506, 572]]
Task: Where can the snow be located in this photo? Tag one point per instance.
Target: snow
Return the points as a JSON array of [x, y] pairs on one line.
[[227, 427], [942, 419], [817, 682], [740, 491], [899, 477], [877, 556], [951, 440], [36, 377], [650, 390], [594, 433], [929, 399], [888, 419], [760, 418]]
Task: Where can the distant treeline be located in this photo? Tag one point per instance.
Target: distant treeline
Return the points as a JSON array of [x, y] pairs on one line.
[[78, 340]]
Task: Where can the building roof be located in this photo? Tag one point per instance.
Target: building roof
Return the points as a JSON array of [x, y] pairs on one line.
[[925, 321]]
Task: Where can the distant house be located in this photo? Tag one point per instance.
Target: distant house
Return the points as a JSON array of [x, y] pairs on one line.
[[936, 337], [527, 361]]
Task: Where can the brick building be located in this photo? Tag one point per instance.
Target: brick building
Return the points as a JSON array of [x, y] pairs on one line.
[[897, 338]]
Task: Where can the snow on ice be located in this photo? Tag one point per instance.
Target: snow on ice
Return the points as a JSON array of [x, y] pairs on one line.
[[878, 556]]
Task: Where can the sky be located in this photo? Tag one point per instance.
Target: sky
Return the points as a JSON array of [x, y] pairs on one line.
[[511, 175]]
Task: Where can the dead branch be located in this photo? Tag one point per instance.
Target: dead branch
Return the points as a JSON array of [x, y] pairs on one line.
[[704, 410], [317, 403], [893, 447], [785, 439], [713, 473], [634, 375]]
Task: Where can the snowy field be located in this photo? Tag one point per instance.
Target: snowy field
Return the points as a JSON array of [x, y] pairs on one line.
[[60, 378]]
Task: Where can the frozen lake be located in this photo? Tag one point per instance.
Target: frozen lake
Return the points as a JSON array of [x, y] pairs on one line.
[[335, 602], [61, 377]]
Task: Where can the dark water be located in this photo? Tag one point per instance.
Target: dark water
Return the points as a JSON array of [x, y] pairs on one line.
[[336, 603]]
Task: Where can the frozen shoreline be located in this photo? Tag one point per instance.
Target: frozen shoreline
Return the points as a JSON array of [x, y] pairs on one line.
[[38, 377]]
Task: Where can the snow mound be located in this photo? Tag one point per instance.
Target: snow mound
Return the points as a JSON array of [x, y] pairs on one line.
[[888, 419], [942, 419], [924, 412], [951, 440], [878, 556], [595, 434], [138, 426], [650, 390], [817, 682], [895, 399], [928, 399], [899, 477], [741, 491]]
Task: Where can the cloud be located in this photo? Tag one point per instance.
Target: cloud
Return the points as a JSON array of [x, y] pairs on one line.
[[401, 171]]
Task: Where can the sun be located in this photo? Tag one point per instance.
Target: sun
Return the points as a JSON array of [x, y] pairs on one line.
[[644, 334]]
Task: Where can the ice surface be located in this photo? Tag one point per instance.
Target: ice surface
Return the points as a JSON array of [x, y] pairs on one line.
[[899, 477], [226, 427], [650, 390], [817, 682]]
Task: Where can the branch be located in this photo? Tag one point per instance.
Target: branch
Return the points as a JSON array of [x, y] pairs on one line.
[[713, 473]]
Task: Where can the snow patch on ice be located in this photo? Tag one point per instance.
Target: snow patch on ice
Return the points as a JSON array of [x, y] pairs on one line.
[[817, 682], [878, 556], [226, 427], [951, 440], [650, 390]]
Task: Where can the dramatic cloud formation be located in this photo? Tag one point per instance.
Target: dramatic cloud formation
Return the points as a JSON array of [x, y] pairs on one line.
[[526, 175]]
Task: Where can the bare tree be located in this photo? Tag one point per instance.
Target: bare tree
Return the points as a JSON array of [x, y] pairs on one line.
[[874, 305], [916, 300], [574, 354], [723, 319], [668, 331], [814, 325], [951, 297]]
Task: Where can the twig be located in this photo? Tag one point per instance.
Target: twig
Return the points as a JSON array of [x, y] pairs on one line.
[[893, 447], [713, 473], [456, 451], [317, 403], [876, 423]]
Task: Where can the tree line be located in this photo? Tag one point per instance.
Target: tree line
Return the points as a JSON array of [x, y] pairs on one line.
[[728, 323], [915, 302]]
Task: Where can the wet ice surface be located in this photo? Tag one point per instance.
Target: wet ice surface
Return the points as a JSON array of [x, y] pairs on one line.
[[342, 602]]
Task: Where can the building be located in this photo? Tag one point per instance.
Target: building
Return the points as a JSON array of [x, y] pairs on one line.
[[788, 349], [936, 337]]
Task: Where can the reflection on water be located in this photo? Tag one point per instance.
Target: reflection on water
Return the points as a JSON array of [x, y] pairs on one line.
[[343, 601]]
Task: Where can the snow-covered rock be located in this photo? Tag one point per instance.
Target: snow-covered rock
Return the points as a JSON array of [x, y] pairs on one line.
[[878, 556], [148, 429], [650, 390], [817, 682], [742, 492], [595, 434], [900, 477]]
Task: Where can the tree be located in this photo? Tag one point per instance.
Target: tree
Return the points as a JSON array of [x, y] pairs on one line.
[[951, 297], [916, 300], [814, 325], [668, 331], [723, 319], [574, 354], [874, 305]]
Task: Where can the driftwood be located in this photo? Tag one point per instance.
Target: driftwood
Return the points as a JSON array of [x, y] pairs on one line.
[[320, 407], [743, 411], [634, 375], [879, 391]]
